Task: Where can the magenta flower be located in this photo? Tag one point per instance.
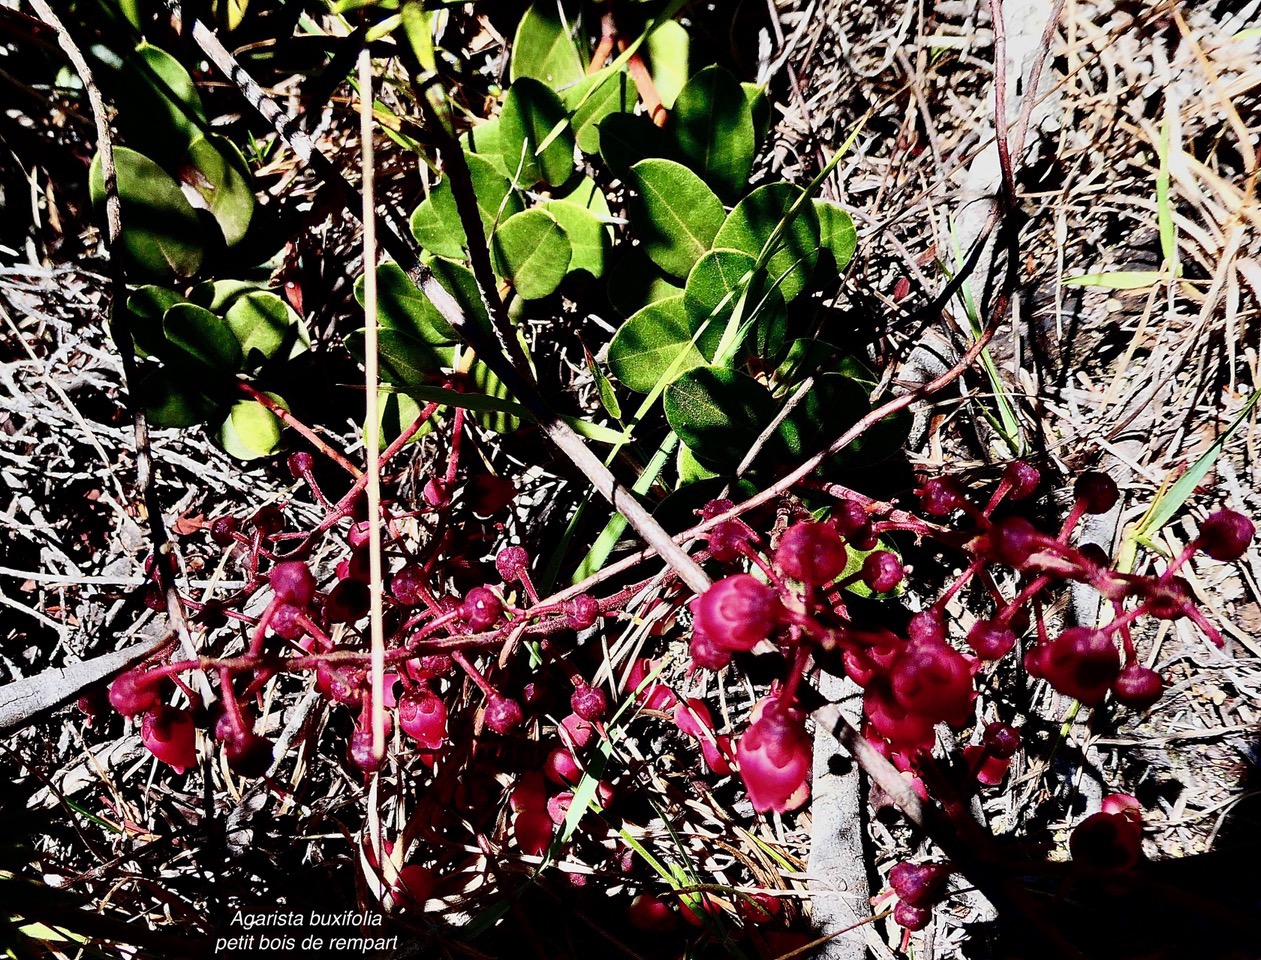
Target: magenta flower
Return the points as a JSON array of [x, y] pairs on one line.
[[774, 757], [739, 612]]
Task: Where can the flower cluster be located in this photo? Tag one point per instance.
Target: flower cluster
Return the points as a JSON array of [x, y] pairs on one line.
[[793, 600]]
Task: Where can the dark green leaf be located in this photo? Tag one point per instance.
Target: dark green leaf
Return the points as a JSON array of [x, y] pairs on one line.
[[656, 344], [532, 251], [759, 109], [217, 296], [402, 307], [712, 125], [627, 138], [675, 215], [172, 399], [753, 224], [718, 413], [199, 336], [535, 136], [147, 306], [833, 405], [403, 360], [634, 282], [267, 327], [496, 200], [544, 46], [603, 386], [161, 231]]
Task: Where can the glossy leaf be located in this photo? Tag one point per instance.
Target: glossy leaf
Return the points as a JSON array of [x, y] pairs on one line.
[[675, 215], [755, 223], [147, 305], [483, 140], [496, 200], [171, 399], [266, 327], [220, 175], [759, 109], [535, 136], [594, 98], [656, 343], [532, 252], [718, 412], [197, 335], [715, 286], [251, 430], [161, 231], [544, 47], [403, 360], [217, 296], [712, 125], [836, 232]]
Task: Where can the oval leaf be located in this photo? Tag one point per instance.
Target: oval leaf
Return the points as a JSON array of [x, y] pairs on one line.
[[171, 400], [836, 232], [219, 174], [712, 125], [161, 231], [656, 343], [588, 236], [267, 327], [635, 282], [675, 215], [594, 98], [199, 336], [718, 413], [544, 47], [532, 252], [754, 225], [535, 137], [401, 306], [251, 430]]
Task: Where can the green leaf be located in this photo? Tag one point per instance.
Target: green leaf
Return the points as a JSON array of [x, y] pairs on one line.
[[483, 140], [535, 136], [657, 342], [627, 138], [836, 232], [402, 307], [588, 236], [718, 412], [251, 430], [436, 224], [675, 215], [267, 327], [496, 200], [458, 281], [147, 305], [217, 296], [532, 252], [489, 385], [161, 231], [714, 288], [669, 48], [760, 109], [690, 469], [171, 399], [220, 175], [544, 47], [712, 125], [201, 337], [634, 282], [594, 98], [160, 110], [833, 404], [402, 360], [398, 412], [789, 251]]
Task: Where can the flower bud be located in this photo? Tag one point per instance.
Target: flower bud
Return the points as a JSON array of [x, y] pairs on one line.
[[739, 612], [293, 583], [811, 552], [1226, 535], [1097, 492], [423, 716]]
